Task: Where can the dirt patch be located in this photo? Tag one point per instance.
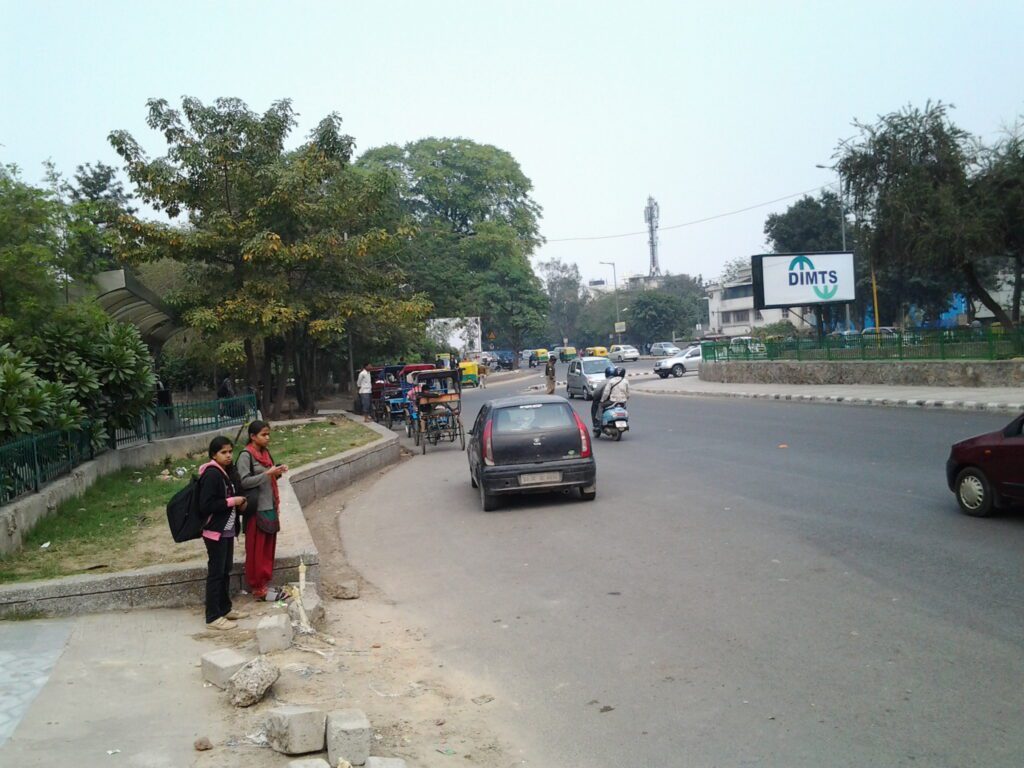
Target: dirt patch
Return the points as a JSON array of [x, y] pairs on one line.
[[419, 710]]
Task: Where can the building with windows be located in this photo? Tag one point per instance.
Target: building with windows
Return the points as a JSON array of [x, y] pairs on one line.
[[731, 309]]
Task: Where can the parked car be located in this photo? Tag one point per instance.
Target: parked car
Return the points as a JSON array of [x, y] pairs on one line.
[[664, 349], [621, 353], [679, 364], [986, 472], [584, 376], [883, 332], [530, 444], [595, 352], [742, 345]]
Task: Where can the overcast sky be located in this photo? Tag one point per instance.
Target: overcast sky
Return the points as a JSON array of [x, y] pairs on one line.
[[709, 107]]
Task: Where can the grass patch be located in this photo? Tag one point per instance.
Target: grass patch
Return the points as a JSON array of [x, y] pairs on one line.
[[120, 522]]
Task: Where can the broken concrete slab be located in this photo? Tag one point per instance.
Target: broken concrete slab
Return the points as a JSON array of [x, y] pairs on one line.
[[295, 730], [274, 633], [346, 590], [348, 736], [385, 762], [311, 602], [309, 762], [218, 666], [250, 683]]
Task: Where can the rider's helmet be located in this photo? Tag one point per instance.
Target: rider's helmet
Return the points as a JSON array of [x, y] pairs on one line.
[[610, 371], [620, 372]]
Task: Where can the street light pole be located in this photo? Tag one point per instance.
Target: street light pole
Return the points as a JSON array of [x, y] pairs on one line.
[[615, 286], [842, 229]]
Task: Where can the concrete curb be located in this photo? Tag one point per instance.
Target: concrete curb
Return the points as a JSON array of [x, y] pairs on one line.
[[183, 584], [949, 405]]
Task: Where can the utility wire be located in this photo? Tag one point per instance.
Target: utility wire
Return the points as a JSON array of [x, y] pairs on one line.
[[695, 221]]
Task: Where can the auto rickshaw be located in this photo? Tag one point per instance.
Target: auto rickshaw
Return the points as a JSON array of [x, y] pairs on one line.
[[565, 354], [470, 373], [541, 355], [596, 352]]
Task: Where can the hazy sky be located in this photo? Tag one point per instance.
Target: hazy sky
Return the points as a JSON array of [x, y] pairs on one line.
[[710, 107]]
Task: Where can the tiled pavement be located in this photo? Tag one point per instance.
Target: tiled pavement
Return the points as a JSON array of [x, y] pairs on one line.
[[28, 652]]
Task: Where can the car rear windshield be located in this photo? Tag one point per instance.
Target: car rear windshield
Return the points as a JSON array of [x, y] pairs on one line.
[[595, 366], [533, 417]]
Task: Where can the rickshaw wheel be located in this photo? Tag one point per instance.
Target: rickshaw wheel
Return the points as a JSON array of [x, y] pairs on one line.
[[462, 435], [387, 418]]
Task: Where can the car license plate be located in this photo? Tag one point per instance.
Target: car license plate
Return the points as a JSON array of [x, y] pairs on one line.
[[620, 425], [535, 478]]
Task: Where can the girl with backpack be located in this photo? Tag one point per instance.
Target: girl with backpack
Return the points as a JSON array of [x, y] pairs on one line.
[[258, 475], [219, 505]]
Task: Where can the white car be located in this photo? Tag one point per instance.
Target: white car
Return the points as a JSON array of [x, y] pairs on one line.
[[679, 364], [664, 349], [622, 353]]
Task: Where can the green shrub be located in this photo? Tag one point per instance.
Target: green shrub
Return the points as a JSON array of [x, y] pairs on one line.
[[28, 403]]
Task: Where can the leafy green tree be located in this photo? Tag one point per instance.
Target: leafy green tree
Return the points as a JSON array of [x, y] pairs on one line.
[[29, 264], [287, 248], [30, 403], [596, 322], [566, 298], [654, 315], [909, 178], [691, 292], [735, 269], [999, 192]]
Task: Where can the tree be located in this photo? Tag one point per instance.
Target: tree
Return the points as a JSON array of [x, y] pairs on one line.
[[999, 191], [735, 269], [691, 292], [566, 297], [909, 178], [654, 315], [29, 264], [97, 198], [287, 248], [596, 321]]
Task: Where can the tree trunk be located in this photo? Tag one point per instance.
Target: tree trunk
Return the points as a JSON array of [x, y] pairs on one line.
[[265, 384], [984, 297], [1018, 287], [282, 381], [250, 364]]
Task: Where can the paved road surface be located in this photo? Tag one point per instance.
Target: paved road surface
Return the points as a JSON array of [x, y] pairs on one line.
[[757, 584]]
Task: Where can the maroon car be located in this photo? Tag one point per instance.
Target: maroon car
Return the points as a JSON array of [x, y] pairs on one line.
[[987, 472]]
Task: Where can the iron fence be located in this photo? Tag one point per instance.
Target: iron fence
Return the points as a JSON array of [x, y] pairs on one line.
[[915, 344], [30, 462]]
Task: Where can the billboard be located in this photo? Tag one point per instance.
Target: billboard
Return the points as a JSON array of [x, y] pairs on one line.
[[459, 333], [783, 280]]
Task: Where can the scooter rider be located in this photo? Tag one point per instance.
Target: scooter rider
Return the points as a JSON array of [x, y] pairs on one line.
[[614, 390]]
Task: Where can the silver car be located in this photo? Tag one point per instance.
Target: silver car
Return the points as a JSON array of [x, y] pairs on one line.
[[664, 349], [585, 375], [621, 353], [679, 364]]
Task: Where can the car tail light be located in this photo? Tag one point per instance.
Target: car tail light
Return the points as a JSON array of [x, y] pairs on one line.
[[584, 437], [488, 447]]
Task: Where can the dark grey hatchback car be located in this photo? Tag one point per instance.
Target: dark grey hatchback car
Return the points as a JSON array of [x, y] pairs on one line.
[[530, 444]]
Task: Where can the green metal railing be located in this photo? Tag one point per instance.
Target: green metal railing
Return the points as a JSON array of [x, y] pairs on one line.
[[921, 344], [27, 463], [187, 418]]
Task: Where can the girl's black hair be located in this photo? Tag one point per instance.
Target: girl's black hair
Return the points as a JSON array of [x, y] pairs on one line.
[[256, 427], [217, 443]]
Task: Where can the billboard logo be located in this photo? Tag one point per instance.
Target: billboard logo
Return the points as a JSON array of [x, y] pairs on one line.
[[824, 281]]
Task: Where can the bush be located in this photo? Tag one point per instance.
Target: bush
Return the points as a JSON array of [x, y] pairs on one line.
[[30, 404], [105, 364]]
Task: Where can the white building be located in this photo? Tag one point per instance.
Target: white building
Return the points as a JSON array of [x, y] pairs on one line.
[[731, 309]]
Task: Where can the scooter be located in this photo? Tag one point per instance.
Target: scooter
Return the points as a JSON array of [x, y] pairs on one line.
[[614, 421]]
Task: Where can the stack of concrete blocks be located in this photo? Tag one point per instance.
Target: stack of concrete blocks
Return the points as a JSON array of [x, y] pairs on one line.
[[219, 666], [274, 633], [295, 730]]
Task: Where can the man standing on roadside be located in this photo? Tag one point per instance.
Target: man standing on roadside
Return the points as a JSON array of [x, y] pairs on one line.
[[549, 374], [364, 385]]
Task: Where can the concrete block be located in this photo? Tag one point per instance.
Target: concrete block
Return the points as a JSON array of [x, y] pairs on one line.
[[348, 736], [385, 762], [311, 602], [296, 730], [309, 762], [218, 666], [251, 683], [274, 633]]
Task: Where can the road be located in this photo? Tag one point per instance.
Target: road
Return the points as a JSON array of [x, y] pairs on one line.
[[757, 584]]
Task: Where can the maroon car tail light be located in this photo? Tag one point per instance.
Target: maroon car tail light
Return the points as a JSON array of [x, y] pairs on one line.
[[488, 447], [584, 437]]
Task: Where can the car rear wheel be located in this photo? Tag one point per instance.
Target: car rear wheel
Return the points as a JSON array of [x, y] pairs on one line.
[[588, 494], [488, 501], [974, 493], [678, 370]]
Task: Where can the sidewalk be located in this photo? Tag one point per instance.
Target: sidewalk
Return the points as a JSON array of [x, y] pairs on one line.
[[1004, 399]]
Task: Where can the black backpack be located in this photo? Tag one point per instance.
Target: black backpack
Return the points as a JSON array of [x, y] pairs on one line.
[[183, 513]]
